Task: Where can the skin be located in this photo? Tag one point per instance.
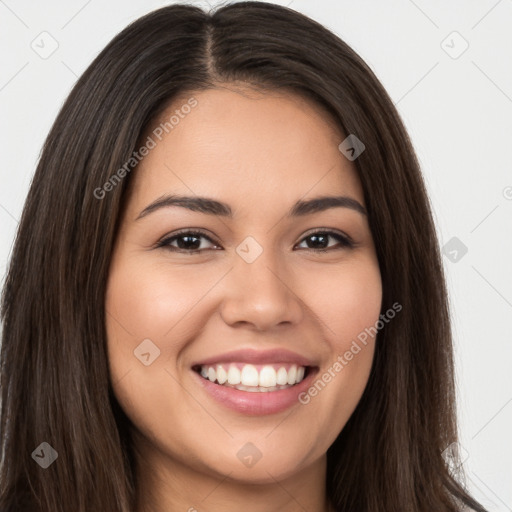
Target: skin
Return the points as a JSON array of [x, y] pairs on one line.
[[260, 153]]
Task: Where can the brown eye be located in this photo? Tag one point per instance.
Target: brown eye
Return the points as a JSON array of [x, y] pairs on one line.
[[186, 241], [319, 241]]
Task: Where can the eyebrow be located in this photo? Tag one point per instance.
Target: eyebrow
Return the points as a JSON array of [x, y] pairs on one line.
[[214, 207]]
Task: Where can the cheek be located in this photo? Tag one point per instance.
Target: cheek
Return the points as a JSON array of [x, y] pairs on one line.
[[147, 328], [347, 299], [145, 298], [145, 308], [348, 305], [152, 300]]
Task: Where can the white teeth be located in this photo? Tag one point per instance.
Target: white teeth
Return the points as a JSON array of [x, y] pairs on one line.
[[249, 375], [222, 375], [269, 377], [233, 375], [292, 374], [282, 376]]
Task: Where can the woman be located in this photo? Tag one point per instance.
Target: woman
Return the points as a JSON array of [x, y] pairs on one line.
[[180, 332]]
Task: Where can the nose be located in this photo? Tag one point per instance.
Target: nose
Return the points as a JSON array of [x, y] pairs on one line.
[[261, 295]]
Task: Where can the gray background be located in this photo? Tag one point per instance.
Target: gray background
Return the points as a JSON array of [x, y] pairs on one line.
[[457, 107]]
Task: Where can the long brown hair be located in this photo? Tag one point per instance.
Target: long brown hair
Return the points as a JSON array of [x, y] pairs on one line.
[[55, 385]]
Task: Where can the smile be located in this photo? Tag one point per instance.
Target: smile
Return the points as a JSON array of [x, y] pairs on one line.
[[254, 378], [255, 382]]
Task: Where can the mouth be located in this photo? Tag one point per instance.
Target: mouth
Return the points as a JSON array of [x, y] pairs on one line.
[[254, 378], [255, 382]]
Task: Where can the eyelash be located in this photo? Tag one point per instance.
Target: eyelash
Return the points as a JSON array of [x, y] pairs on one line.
[[344, 241]]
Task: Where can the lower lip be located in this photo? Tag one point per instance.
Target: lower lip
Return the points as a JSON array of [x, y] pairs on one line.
[[256, 403]]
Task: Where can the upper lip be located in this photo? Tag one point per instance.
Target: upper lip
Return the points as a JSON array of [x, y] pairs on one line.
[[255, 356]]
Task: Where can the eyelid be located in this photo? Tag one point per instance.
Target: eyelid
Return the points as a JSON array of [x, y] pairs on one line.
[[185, 231]]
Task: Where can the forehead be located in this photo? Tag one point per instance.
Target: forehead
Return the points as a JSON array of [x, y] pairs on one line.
[[244, 147]]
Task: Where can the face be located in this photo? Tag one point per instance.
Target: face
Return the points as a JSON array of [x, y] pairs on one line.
[[231, 321]]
